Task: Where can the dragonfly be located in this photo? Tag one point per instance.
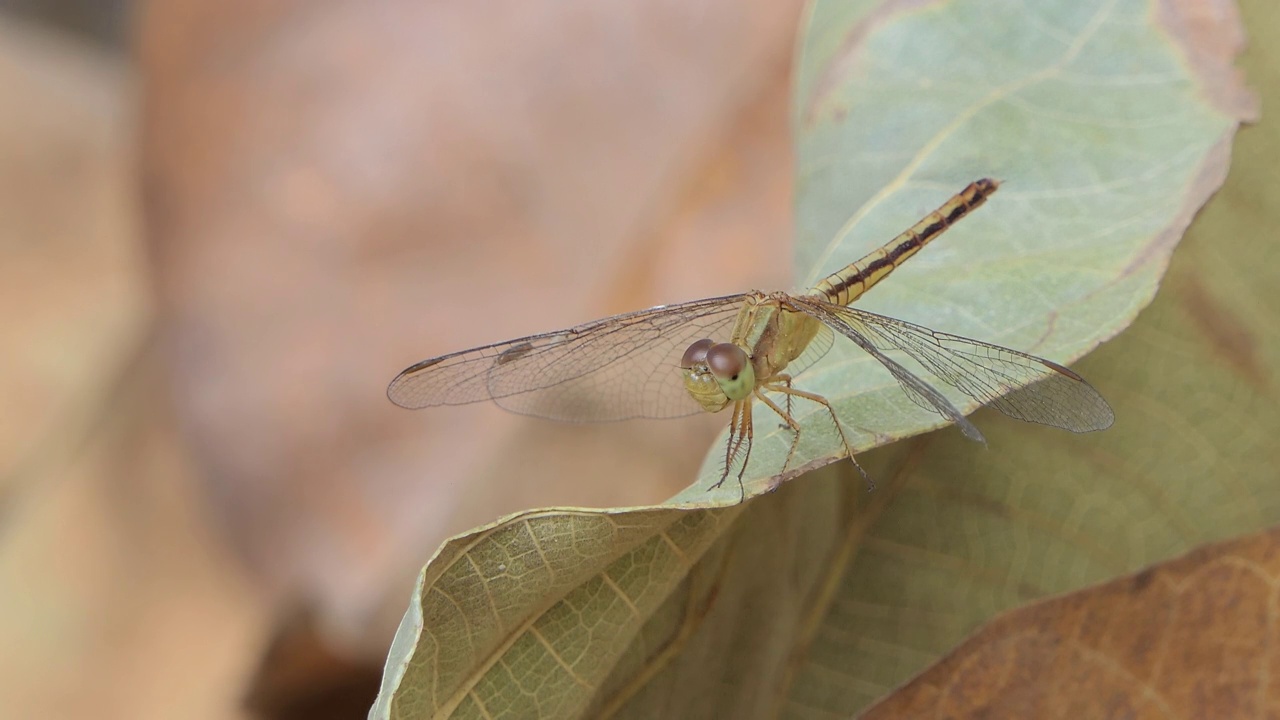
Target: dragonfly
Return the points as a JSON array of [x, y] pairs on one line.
[[724, 353]]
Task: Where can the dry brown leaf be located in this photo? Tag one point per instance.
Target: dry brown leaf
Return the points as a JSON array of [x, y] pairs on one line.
[[1190, 638]]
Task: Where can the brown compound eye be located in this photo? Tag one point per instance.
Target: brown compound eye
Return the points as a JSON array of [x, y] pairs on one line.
[[696, 354], [726, 360]]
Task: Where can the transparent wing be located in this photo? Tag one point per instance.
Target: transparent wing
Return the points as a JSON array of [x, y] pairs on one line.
[[920, 392], [1019, 385], [620, 367]]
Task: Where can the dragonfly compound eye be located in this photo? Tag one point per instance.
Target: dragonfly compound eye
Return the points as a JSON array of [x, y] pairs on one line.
[[696, 354], [732, 369]]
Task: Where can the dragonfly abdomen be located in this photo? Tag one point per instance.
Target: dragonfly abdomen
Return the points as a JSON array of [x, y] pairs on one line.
[[850, 282]]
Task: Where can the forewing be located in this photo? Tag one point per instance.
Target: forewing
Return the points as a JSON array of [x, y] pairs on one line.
[[620, 367], [1021, 386]]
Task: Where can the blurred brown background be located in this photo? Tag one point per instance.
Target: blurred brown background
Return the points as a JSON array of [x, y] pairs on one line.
[[225, 226]]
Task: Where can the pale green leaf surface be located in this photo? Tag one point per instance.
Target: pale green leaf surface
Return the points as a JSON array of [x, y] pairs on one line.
[[1106, 146], [813, 600]]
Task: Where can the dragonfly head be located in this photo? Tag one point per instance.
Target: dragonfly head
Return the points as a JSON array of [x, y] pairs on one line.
[[716, 374]]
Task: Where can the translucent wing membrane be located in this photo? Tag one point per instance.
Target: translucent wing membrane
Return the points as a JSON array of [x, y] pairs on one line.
[[920, 392], [1021, 386], [621, 367]]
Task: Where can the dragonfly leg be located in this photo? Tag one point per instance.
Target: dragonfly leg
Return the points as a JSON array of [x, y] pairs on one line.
[[848, 449], [730, 447], [784, 379], [788, 422], [751, 431], [741, 432]]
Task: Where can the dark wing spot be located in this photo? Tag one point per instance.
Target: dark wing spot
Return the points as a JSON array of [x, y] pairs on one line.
[[515, 352], [1060, 369], [423, 365]]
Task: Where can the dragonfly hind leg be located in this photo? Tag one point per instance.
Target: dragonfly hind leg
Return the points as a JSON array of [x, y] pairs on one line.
[[784, 386]]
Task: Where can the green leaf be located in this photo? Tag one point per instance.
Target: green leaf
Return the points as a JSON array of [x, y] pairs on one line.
[[815, 599], [1106, 147]]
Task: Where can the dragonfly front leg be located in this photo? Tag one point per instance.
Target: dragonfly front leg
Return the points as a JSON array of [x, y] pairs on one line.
[[731, 446], [741, 432]]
